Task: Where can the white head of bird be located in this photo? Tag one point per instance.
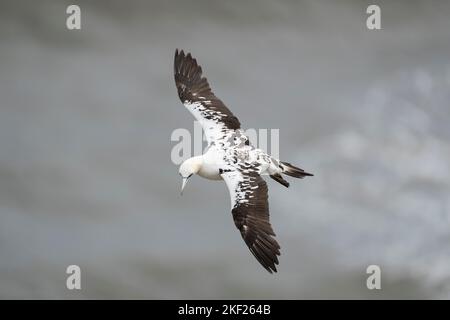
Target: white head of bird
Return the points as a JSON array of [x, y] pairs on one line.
[[188, 168]]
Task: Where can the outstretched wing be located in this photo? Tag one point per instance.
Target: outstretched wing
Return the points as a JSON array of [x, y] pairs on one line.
[[250, 210], [195, 93]]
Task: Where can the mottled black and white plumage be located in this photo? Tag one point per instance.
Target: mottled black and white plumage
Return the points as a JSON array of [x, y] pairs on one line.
[[232, 158], [196, 95]]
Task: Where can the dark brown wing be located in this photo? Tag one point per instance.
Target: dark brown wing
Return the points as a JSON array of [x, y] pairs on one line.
[[196, 95], [250, 209]]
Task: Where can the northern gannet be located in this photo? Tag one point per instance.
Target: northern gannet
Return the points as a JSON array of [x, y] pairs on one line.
[[231, 157]]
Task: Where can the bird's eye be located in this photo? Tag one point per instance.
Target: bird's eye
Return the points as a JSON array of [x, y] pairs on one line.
[[190, 175]]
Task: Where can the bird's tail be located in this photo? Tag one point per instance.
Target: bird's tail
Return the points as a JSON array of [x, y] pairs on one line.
[[278, 178], [293, 171]]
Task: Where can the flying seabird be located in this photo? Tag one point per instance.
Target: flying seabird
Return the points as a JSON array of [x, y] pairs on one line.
[[231, 157]]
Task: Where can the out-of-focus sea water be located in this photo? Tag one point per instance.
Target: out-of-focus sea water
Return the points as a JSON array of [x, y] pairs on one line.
[[86, 176]]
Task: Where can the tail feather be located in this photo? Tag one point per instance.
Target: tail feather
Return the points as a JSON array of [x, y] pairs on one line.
[[293, 171], [278, 178]]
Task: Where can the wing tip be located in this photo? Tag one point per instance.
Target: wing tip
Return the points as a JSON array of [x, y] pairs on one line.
[[186, 65], [271, 268], [267, 256], [178, 52], [181, 56]]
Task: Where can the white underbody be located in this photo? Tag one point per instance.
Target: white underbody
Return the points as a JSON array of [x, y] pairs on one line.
[[213, 161]]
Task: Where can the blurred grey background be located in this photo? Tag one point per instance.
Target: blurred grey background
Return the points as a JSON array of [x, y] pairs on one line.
[[86, 176]]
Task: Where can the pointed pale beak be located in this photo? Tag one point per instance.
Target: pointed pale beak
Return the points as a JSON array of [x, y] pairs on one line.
[[183, 184]]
